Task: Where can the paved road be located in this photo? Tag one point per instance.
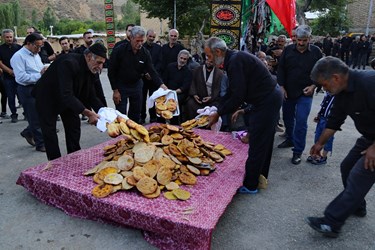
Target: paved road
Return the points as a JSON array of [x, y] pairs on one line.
[[272, 219]]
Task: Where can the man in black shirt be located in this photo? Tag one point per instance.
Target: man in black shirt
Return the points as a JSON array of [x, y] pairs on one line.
[[345, 42], [178, 76], [250, 82], [126, 39], [170, 50], [148, 85], [7, 50], [355, 97], [67, 88], [127, 65], [293, 75], [88, 41], [65, 45]]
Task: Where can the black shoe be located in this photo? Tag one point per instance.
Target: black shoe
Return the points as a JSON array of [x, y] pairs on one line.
[[360, 212], [84, 118], [14, 118], [319, 225], [296, 159], [152, 120], [286, 144], [41, 149], [4, 115], [28, 138]]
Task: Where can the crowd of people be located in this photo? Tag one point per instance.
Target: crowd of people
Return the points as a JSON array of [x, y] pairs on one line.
[[266, 85]]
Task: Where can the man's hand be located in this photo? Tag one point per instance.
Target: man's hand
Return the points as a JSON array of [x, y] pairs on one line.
[[116, 97], [10, 72], [43, 70], [178, 91], [147, 76], [370, 158], [93, 117], [196, 98], [163, 86], [309, 91], [212, 119], [285, 95], [316, 149], [236, 114], [206, 99]]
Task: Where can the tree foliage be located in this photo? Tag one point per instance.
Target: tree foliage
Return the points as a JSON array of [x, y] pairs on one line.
[[332, 18], [49, 18], [130, 14], [10, 15], [190, 13]]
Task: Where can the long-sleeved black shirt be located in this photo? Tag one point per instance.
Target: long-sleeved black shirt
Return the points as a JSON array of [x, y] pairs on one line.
[[127, 68], [358, 102], [293, 72], [6, 53], [169, 54], [67, 84], [249, 81], [156, 56], [176, 78]]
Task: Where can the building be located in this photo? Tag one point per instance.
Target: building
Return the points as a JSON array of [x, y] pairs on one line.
[[358, 12]]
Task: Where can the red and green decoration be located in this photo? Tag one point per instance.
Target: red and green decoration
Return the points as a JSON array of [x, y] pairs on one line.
[[110, 25], [226, 21], [250, 19]]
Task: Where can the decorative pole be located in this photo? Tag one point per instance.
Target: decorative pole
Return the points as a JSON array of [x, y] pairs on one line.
[[110, 25]]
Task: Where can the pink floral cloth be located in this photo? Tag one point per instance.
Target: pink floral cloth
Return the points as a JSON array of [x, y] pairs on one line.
[[167, 224]]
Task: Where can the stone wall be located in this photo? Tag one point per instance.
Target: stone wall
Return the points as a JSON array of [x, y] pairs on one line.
[[358, 12]]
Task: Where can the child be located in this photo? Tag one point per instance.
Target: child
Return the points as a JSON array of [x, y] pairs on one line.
[[321, 120]]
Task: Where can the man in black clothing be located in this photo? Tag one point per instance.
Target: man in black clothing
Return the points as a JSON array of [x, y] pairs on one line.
[[177, 76], [355, 97], [170, 50], [66, 88], [345, 48], [65, 45], [126, 40], [250, 82], [327, 45], [293, 75], [88, 41], [148, 85], [7, 50], [127, 65]]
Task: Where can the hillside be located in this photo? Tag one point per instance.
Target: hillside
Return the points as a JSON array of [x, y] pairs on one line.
[[72, 9]]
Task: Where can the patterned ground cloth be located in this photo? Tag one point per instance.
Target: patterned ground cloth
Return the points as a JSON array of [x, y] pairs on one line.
[[167, 224]]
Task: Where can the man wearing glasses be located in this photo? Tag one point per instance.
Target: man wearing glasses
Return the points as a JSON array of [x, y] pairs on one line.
[[28, 68]]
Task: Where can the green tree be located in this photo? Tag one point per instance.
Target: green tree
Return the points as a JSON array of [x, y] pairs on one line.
[[332, 18], [34, 17], [130, 14], [49, 18], [190, 13], [16, 9]]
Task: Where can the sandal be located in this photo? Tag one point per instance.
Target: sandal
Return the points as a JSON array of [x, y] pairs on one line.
[[245, 190]]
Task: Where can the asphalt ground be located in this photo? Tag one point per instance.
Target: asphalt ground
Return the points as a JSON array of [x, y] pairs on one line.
[[271, 219]]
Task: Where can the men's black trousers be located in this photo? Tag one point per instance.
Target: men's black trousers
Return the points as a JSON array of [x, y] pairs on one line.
[[357, 183]]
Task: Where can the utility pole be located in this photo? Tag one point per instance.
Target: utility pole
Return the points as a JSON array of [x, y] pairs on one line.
[[369, 17], [174, 14]]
